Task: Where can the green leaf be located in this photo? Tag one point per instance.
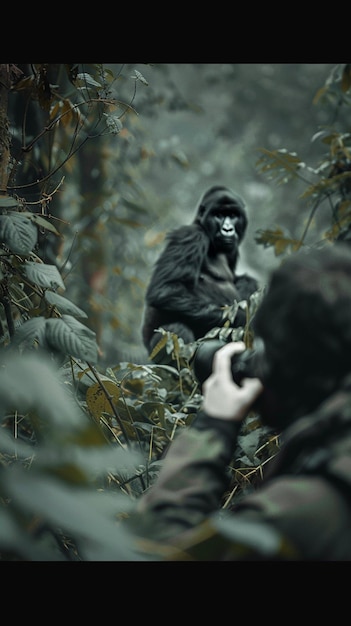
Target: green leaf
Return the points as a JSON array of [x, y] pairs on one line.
[[84, 80], [89, 517], [13, 539], [140, 77], [250, 536], [63, 305], [29, 332], [31, 381], [7, 201], [249, 443], [43, 223], [71, 337], [44, 275], [18, 233]]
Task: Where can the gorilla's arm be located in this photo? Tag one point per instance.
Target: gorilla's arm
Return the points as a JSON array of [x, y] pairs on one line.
[[182, 258], [179, 303]]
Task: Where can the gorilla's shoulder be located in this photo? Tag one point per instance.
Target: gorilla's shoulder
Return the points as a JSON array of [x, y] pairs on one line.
[[186, 246], [185, 235]]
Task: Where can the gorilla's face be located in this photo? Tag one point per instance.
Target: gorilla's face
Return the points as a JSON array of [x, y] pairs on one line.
[[223, 217]]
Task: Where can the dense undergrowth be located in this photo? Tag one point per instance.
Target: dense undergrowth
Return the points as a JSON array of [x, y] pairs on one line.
[[82, 445]]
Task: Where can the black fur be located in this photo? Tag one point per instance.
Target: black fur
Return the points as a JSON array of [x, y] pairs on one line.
[[194, 276]]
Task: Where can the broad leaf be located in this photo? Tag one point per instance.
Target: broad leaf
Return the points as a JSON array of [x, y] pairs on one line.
[[18, 233], [77, 511], [29, 332], [71, 337], [44, 275], [96, 398], [13, 538], [31, 381], [63, 305]]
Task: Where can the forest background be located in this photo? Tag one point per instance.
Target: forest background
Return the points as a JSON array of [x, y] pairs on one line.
[[98, 163], [197, 125]]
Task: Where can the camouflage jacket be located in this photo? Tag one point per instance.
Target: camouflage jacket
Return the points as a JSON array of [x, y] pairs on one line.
[[300, 511]]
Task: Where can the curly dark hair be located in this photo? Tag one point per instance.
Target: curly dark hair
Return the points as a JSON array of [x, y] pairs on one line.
[[305, 322]]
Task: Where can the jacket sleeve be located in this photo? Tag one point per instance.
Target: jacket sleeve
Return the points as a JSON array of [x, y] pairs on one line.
[[191, 481]]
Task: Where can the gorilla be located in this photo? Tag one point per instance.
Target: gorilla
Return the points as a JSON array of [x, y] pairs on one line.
[[194, 277]]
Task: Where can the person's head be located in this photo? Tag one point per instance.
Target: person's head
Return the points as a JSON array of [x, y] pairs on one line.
[[304, 321]]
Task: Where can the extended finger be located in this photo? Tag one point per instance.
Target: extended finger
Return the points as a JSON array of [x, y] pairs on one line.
[[223, 356]]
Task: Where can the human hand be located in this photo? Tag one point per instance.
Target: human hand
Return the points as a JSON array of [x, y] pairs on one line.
[[222, 397]]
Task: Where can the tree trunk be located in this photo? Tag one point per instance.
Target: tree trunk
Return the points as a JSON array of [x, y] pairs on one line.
[[5, 84]]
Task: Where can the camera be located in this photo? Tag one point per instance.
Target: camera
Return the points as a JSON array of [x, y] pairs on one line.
[[247, 364]]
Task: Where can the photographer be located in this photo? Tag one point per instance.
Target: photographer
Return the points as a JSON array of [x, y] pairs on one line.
[[302, 508]]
